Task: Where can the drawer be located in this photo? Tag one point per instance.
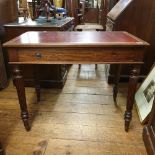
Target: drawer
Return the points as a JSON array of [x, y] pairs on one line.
[[36, 55]]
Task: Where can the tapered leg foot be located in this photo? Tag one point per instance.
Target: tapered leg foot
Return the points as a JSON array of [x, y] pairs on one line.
[[127, 117], [25, 119]]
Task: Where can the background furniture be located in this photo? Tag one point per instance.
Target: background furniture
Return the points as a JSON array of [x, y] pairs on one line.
[[3, 75], [72, 6], [81, 12], [96, 13], [8, 13], [103, 10], [91, 12], [23, 9], [149, 132], [138, 18], [36, 3], [49, 75]]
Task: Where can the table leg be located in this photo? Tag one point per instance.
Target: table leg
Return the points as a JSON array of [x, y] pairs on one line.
[[79, 66], [19, 84], [95, 66], [37, 88], [131, 94], [117, 77], [37, 82]]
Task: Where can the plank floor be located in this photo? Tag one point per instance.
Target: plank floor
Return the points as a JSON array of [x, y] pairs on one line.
[[80, 119]]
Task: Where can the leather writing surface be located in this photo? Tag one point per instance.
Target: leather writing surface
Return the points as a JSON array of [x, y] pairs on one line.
[[44, 39]]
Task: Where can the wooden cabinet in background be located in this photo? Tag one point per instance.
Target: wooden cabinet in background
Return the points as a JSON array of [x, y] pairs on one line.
[[8, 13], [91, 15], [3, 76], [138, 18], [49, 75], [72, 7]]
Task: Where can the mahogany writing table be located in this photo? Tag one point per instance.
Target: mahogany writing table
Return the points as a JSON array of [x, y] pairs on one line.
[[75, 48]]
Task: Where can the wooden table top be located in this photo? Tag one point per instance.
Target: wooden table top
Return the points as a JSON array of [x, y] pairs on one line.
[[75, 39]]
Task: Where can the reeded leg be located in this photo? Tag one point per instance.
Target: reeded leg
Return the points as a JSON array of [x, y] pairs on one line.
[[19, 84], [130, 97], [115, 88], [37, 83]]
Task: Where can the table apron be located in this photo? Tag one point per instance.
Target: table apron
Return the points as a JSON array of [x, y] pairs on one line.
[[115, 55]]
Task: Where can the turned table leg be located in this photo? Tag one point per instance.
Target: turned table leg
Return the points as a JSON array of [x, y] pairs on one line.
[[19, 84], [133, 79], [117, 77]]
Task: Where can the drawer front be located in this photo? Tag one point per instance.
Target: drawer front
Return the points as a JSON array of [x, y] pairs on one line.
[[80, 55], [35, 55]]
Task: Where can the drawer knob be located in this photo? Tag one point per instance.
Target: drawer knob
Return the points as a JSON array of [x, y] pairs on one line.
[[38, 55]]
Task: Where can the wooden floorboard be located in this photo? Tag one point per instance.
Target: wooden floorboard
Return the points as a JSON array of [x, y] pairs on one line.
[[80, 119]]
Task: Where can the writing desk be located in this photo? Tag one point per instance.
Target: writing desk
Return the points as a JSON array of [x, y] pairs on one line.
[[75, 48]]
